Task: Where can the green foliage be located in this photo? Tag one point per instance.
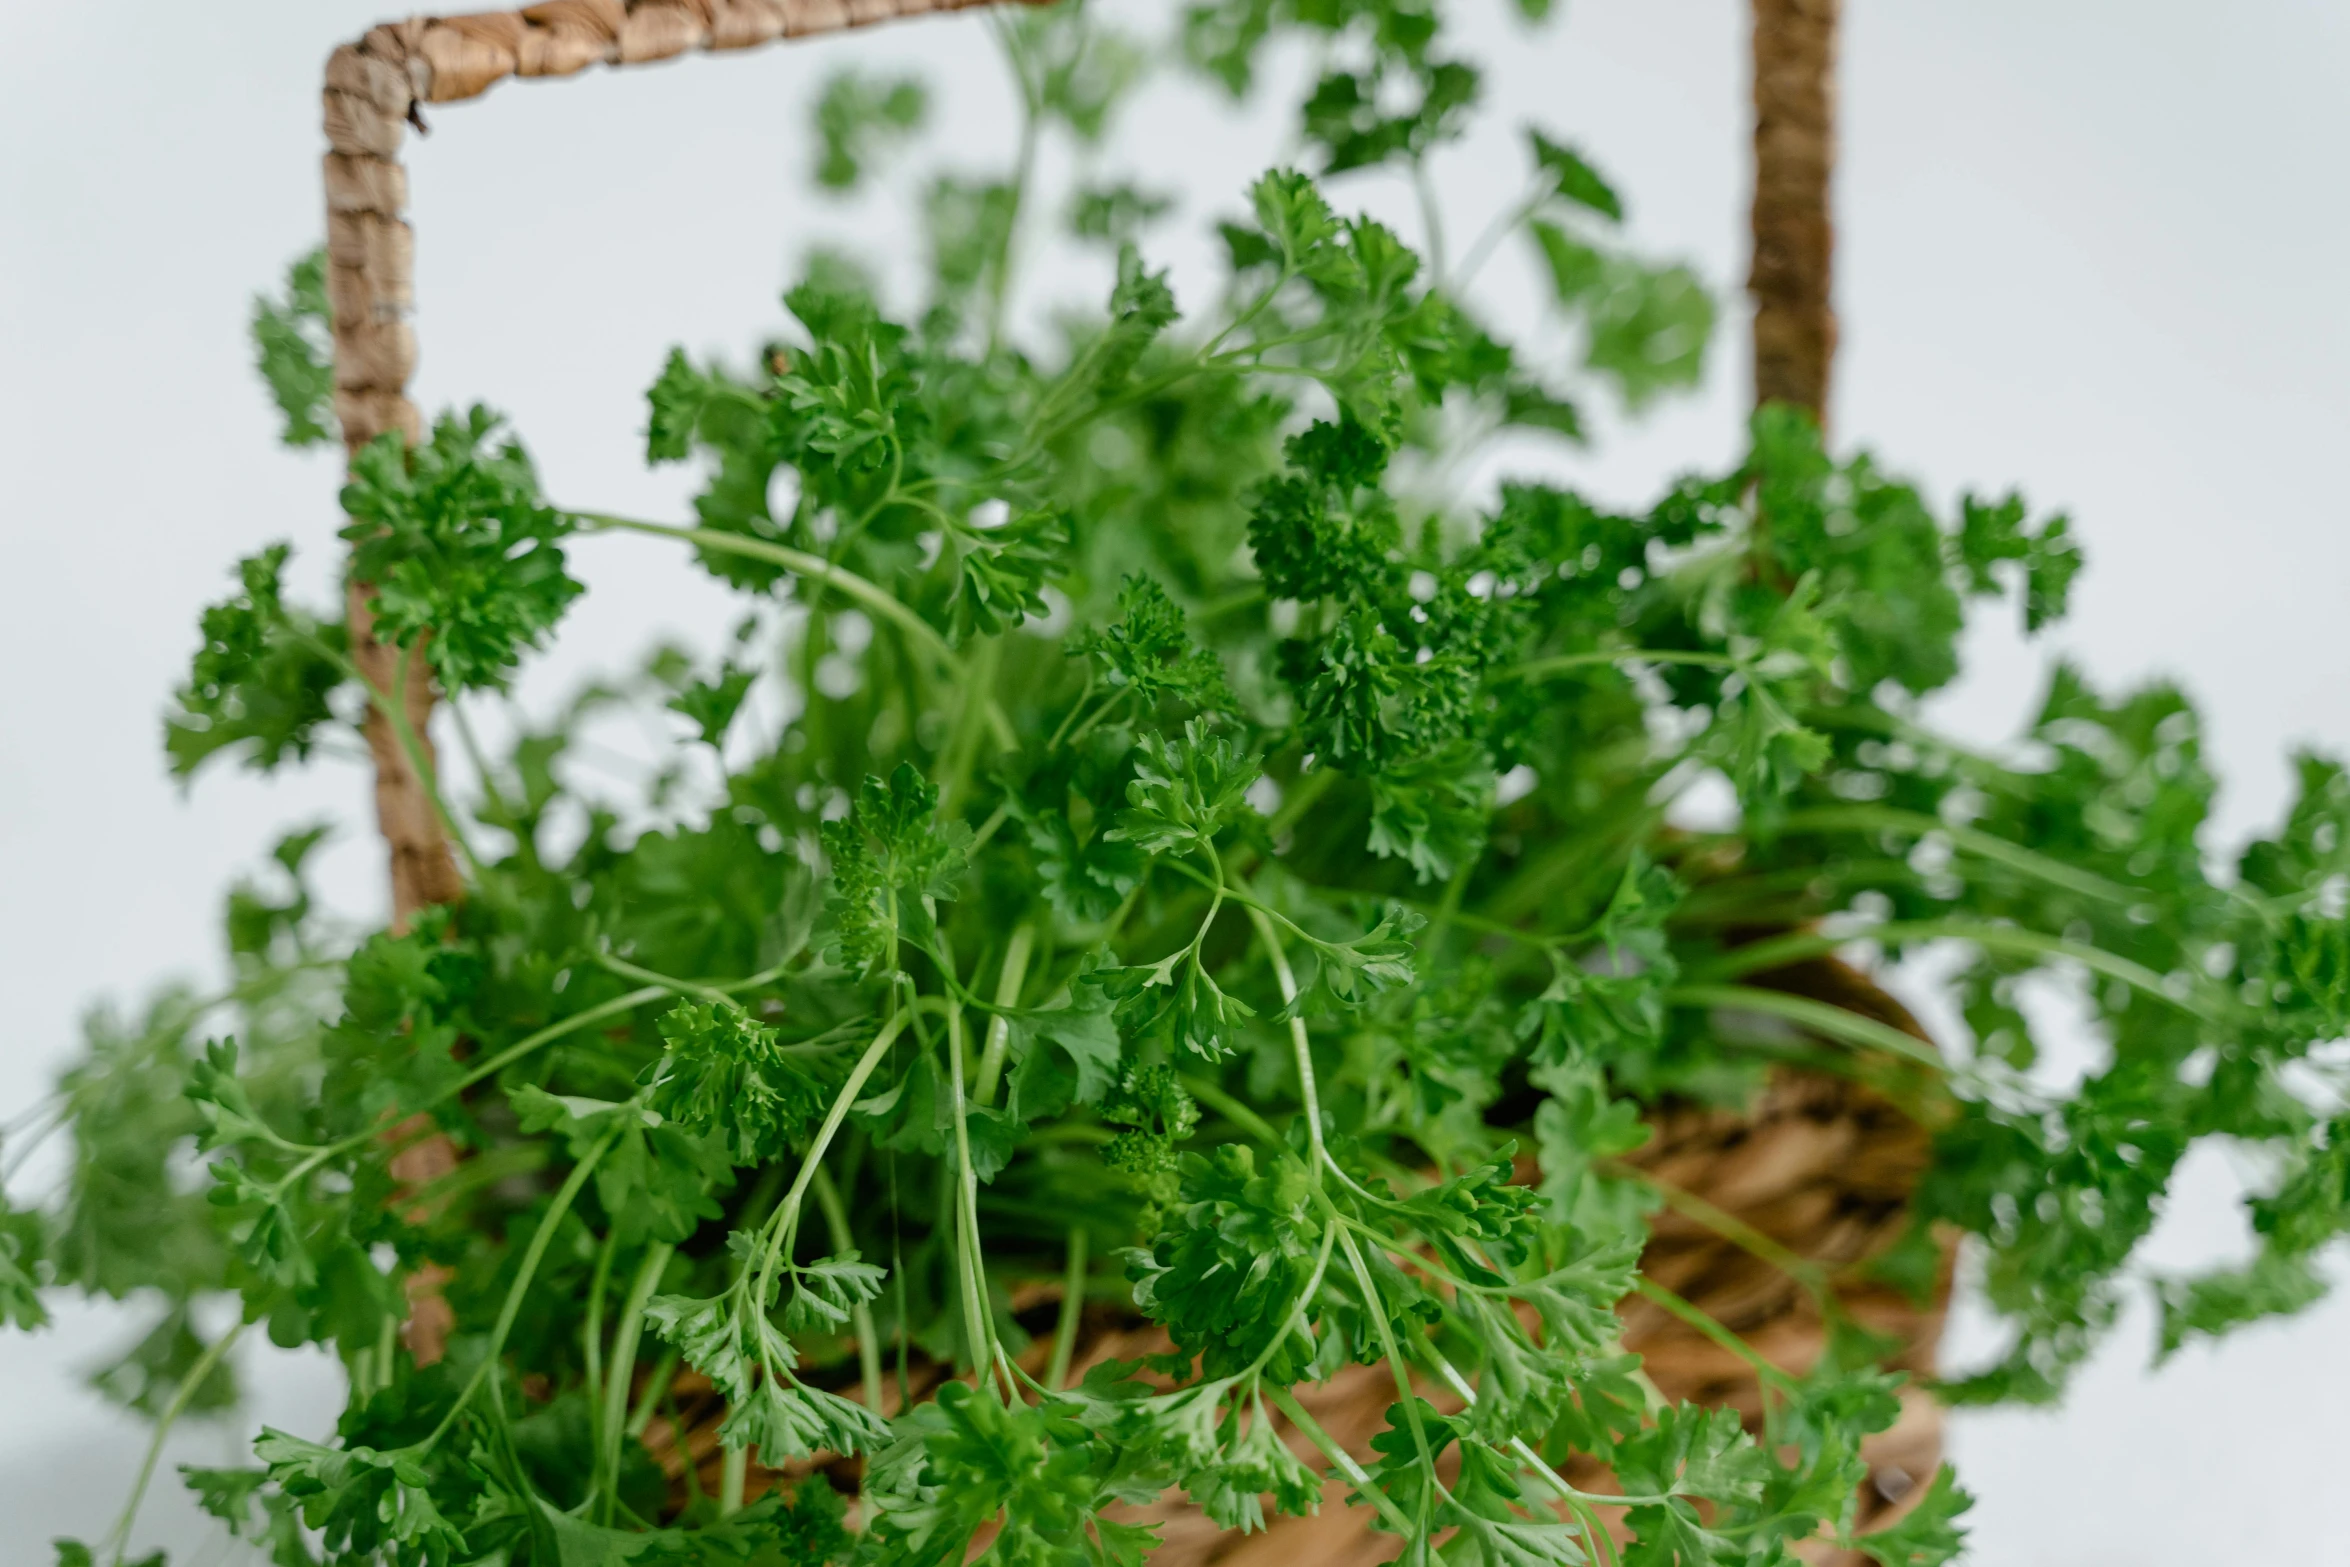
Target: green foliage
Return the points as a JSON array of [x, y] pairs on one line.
[[711, 706], [890, 859], [1229, 1273], [454, 540], [1188, 846], [726, 1075], [1148, 649], [21, 1274], [1116, 213], [1571, 179], [293, 348], [146, 1376], [1646, 327], [857, 119], [262, 681], [1928, 1534], [361, 1500]]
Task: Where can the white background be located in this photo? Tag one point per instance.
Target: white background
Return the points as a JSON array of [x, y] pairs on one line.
[[2092, 248]]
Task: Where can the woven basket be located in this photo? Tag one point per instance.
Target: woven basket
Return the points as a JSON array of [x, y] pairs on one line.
[[1822, 1166]]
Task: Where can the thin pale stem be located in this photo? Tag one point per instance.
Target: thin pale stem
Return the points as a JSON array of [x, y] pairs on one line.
[[999, 1027], [1072, 1311], [592, 1335], [1518, 1445], [977, 1329], [656, 1388], [1819, 1016], [624, 1344], [531, 1258], [2011, 939], [404, 735], [119, 1537], [1970, 840], [1736, 1231], [1376, 1307], [1300, 1046], [838, 578], [683, 987], [787, 1214], [1559, 664], [844, 1243], [1342, 1461], [1704, 1323]]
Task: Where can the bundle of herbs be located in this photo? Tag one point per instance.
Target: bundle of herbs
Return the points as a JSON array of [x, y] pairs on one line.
[[1150, 873]]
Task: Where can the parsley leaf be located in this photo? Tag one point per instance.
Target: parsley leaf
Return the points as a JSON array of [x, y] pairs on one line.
[[455, 541]]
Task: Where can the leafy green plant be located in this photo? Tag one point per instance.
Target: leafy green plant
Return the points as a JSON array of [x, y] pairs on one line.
[[1161, 856]]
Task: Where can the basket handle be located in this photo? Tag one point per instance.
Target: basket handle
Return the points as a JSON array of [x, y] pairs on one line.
[[374, 88]]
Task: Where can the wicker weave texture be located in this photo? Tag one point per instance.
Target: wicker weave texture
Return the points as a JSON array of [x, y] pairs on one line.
[[1794, 226]]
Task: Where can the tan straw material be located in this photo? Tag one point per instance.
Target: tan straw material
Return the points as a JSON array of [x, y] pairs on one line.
[[1794, 226]]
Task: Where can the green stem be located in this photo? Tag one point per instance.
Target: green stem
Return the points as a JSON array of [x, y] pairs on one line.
[[404, 734], [489, 1068], [614, 1423], [1300, 1047], [730, 1481], [1983, 845], [882, 602], [682, 987], [1072, 1311], [1377, 1308], [531, 1258], [1108, 706], [999, 1027], [1209, 1093], [836, 1224], [395, 709], [1255, 308], [987, 829], [838, 578], [1297, 1311], [1704, 1323], [502, 811], [1084, 695], [977, 1329], [1504, 224], [387, 1344], [1342, 1461], [2013, 939], [1537, 669], [656, 1388], [962, 750], [1819, 1016], [119, 1537], [545, 1036], [786, 1221], [1023, 172], [1737, 1231], [1431, 222], [1453, 1379], [593, 1334]]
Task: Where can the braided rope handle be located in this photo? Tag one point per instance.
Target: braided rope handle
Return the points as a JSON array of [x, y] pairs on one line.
[[373, 89], [1794, 219]]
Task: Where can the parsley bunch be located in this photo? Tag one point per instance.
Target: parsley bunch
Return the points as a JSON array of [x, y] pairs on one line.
[[1162, 868]]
